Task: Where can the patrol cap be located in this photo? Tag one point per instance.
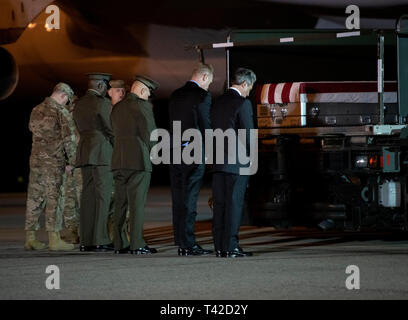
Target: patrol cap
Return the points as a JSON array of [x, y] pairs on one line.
[[63, 87], [117, 84], [99, 76], [151, 84]]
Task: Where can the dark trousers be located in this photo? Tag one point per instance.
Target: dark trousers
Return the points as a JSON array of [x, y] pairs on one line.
[[131, 188], [228, 195], [95, 199], [186, 181]]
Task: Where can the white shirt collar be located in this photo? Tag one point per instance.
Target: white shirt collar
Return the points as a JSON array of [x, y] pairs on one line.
[[195, 82], [236, 90]]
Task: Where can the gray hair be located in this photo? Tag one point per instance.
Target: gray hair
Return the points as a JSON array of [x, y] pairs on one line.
[[203, 68], [241, 75]]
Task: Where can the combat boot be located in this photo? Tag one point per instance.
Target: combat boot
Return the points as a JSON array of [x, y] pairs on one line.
[[32, 243], [56, 244], [70, 235]]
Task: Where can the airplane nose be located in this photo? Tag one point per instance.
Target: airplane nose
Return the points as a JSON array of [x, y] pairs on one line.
[[8, 73]]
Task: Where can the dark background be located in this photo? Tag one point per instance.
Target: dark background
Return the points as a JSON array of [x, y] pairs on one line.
[[283, 63]]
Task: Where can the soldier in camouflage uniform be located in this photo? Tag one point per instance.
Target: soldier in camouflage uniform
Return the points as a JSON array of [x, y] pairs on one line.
[[72, 186], [52, 154]]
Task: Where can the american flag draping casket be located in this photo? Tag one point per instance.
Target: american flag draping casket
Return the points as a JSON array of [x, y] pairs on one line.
[[298, 104]]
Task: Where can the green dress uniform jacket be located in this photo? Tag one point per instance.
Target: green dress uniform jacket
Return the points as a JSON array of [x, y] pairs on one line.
[[132, 122], [92, 118], [94, 155]]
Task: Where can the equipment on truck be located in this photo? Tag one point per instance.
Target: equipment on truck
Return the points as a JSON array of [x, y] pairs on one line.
[[334, 152]]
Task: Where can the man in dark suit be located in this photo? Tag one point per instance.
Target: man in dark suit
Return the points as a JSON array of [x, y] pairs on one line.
[[94, 154], [133, 123], [231, 111], [190, 105]]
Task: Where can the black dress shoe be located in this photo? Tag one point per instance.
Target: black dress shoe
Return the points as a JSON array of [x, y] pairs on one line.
[[86, 248], [238, 253], [196, 250], [186, 252], [123, 251], [104, 248], [144, 250], [219, 253]]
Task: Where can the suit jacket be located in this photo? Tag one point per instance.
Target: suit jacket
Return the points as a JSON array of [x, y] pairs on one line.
[[132, 122], [92, 118], [231, 111], [190, 104]]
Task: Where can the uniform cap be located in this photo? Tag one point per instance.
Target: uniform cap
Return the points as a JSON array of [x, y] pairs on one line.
[[117, 84], [63, 87], [99, 76], [151, 84]]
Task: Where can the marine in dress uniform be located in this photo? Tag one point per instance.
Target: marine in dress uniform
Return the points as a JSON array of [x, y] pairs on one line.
[[117, 93], [133, 122], [94, 155]]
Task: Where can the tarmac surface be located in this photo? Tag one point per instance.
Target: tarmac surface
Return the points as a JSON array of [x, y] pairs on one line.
[[298, 263]]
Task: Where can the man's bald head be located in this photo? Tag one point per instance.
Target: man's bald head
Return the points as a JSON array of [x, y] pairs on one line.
[[141, 90], [203, 74]]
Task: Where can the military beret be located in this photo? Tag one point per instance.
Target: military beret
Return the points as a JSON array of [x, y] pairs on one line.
[[117, 84], [151, 84], [99, 76], [63, 87]]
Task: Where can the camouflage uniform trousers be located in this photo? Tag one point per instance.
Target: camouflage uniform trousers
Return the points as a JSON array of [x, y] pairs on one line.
[[44, 195], [71, 198]]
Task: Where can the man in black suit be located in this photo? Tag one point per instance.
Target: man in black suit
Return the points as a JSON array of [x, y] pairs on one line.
[[231, 111], [190, 105]]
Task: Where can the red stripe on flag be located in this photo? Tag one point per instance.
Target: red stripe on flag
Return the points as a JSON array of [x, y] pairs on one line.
[[258, 92], [271, 93], [286, 92]]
